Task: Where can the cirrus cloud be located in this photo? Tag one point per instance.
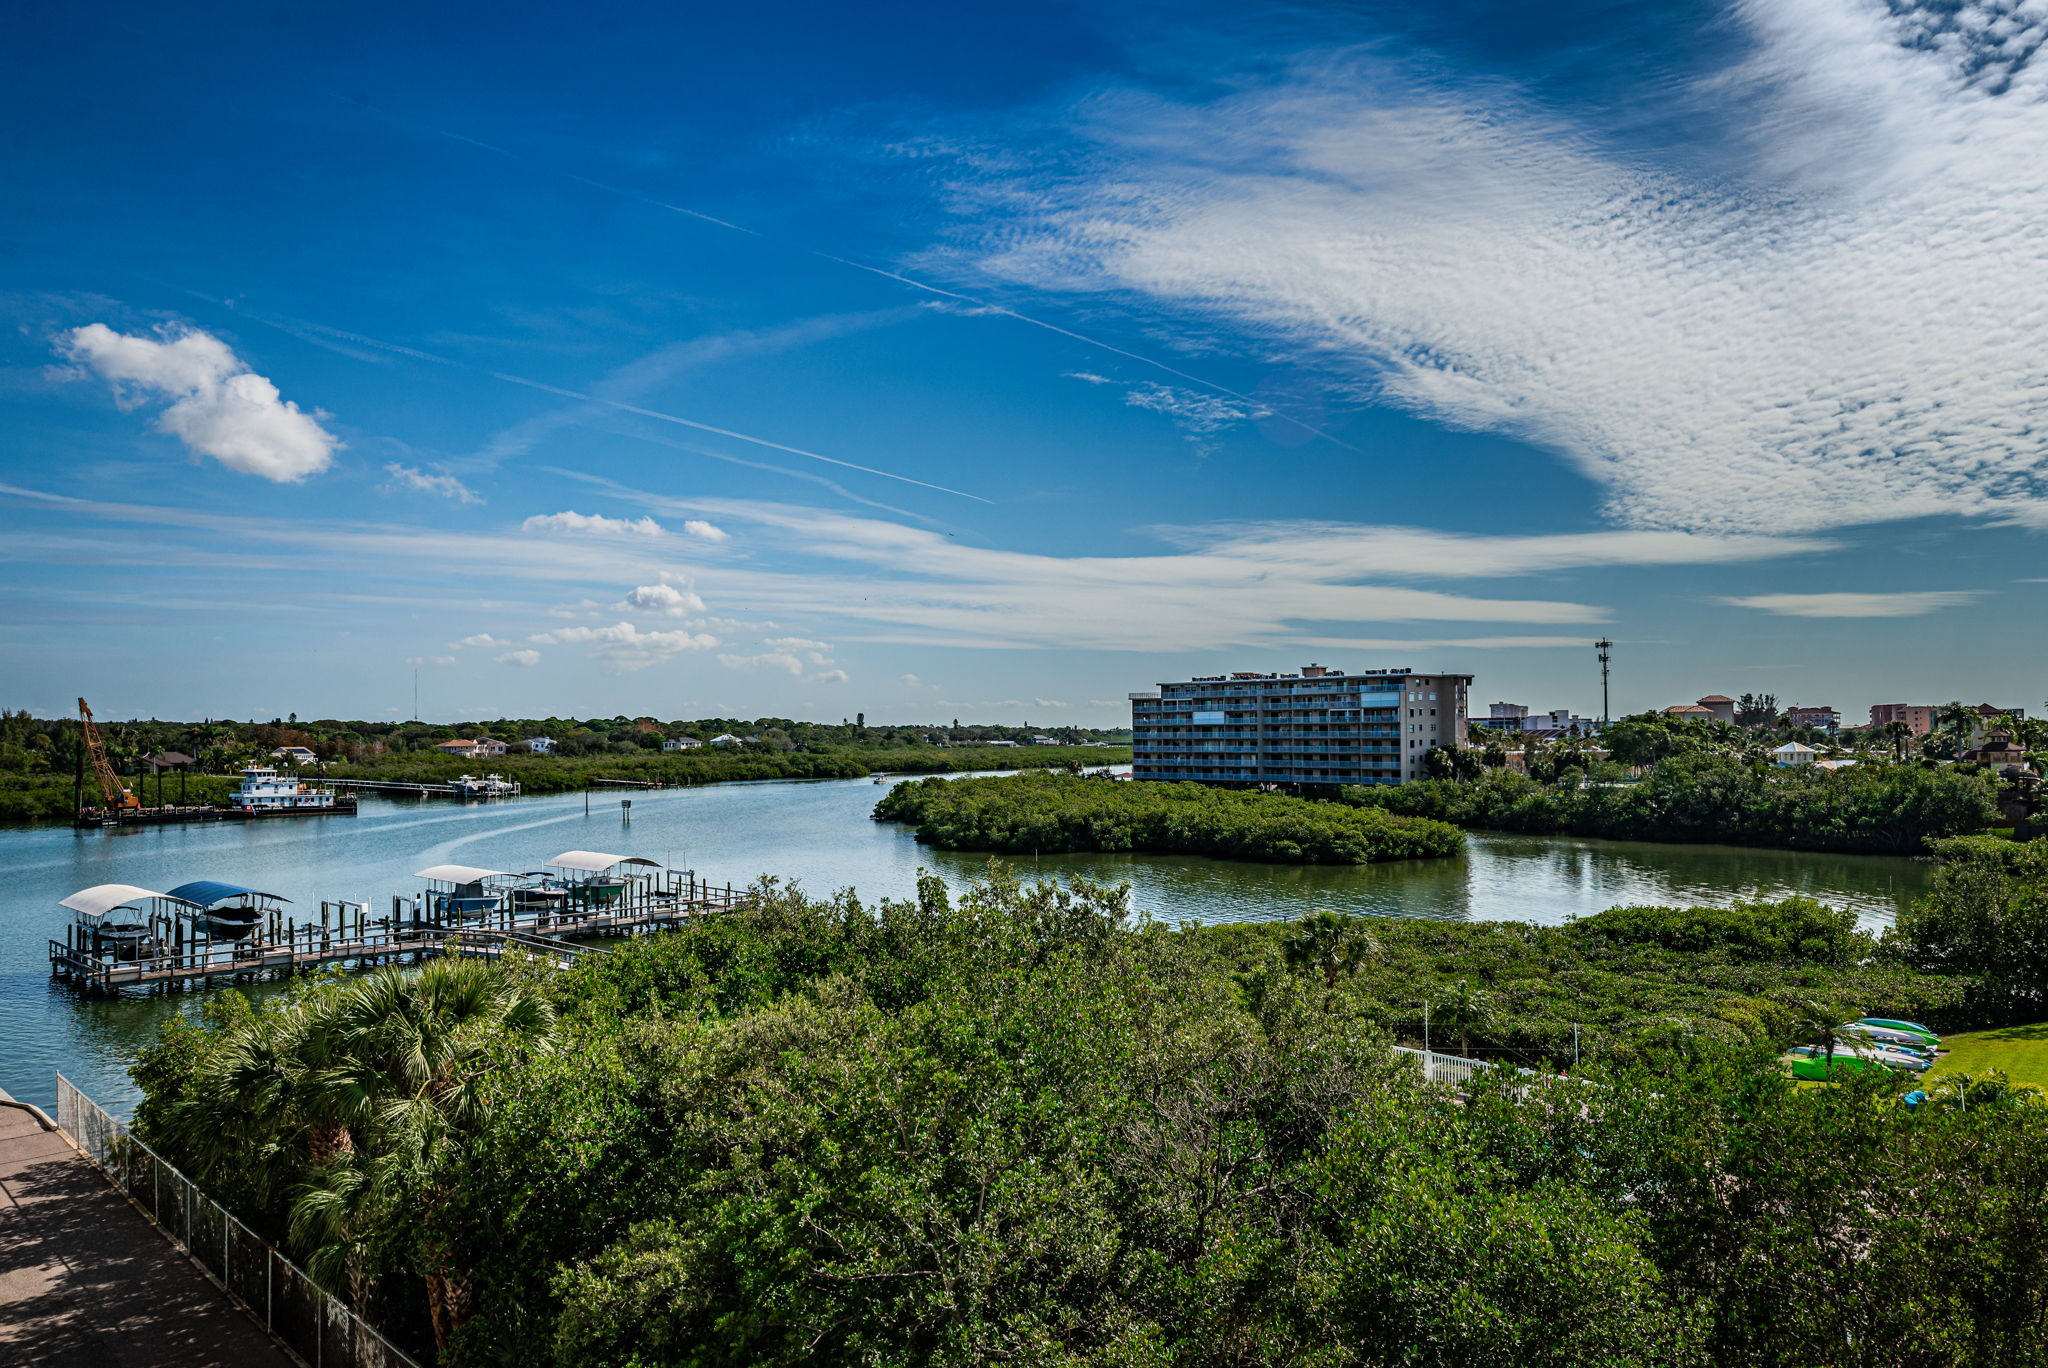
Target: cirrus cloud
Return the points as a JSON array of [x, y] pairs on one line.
[[1910, 604], [1833, 326]]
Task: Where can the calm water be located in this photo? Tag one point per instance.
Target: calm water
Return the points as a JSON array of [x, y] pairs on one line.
[[815, 832]]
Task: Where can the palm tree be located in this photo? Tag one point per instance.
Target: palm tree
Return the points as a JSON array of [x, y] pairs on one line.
[[1465, 1006], [1331, 943], [1900, 736], [1813, 1024], [355, 1101], [1959, 722]]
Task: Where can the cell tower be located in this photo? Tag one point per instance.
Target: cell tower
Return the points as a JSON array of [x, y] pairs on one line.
[[1604, 646]]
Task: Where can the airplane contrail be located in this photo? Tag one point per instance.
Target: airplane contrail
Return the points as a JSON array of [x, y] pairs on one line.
[[581, 397], [724, 432], [899, 278]]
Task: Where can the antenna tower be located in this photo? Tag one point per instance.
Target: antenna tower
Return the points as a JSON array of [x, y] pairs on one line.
[[1604, 646]]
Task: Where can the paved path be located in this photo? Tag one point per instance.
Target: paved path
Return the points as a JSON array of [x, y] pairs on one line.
[[87, 1282]]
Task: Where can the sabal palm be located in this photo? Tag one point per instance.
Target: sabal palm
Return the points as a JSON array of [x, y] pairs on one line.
[[1959, 721], [354, 1099], [1814, 1024], [1465, 1006], [1331, 944]]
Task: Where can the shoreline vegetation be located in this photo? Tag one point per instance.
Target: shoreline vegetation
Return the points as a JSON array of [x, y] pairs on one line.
[[49, 797], [1048, 814], [1018, 1124], [1874, 808]]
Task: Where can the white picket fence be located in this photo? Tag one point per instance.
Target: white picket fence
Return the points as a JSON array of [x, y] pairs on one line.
[[316, 1327]]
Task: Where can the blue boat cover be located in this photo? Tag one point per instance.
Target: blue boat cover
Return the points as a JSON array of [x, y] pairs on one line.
[[207, 892]]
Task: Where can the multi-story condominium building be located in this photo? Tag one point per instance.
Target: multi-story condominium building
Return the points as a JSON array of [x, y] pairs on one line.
[[1918, 716], [1318, 727], [1820, 719]]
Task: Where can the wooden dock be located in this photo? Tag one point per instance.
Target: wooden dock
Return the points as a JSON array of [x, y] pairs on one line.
[[448, 790], [347, 935]]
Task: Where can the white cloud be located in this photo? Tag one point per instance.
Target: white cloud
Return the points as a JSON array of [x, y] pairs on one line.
[[419, 482], [220, 408], [523, 659], [480, 639], [704, 531], [625, 647], [1273, 586], [1199, 416], [794, 654], [910, 681], [430, 660], [665, 599], [1842, 329], [592, 524], [1912, 604]]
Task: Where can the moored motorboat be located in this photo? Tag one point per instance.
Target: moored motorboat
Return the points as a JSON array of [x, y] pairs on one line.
[[122, 922], [226, 911], [462, 892]]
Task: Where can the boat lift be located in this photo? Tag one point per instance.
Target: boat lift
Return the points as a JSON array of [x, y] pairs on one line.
[[124, 923], [226, 911], [461, 892], [596, 881]]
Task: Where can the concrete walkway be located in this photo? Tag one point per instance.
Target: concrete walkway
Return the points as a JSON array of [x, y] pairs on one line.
[[86, 1280]]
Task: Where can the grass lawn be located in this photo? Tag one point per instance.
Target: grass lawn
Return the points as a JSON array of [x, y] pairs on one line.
[[2020, 1051]]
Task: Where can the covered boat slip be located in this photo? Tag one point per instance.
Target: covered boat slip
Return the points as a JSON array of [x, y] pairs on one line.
[[573, 883], [130, 937], [226, 909]]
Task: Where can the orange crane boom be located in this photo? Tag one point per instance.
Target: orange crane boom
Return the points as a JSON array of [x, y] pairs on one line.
[[111, 787]]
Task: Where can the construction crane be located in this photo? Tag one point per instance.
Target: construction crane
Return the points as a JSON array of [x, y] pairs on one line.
[[111, 787]]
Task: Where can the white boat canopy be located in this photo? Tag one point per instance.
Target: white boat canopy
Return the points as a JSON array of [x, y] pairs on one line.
[[460, 874], [595, 861], [100, 899]]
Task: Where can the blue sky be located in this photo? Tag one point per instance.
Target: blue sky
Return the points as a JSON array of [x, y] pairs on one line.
[[993, 361]]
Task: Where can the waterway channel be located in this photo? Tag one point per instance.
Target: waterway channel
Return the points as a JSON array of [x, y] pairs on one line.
[[816, 832]]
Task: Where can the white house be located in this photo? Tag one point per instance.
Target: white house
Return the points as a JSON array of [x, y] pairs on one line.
[[676, 743], [541, 745], [294, 755], [725, 739], [1793, 753]]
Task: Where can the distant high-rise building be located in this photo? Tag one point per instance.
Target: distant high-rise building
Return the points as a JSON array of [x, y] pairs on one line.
[[1318, 727], [1918, 716]]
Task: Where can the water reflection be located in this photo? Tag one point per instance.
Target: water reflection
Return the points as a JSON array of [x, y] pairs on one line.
[[817, 833]]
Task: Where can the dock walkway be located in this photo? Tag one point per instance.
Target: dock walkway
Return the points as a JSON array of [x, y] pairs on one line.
[[87, 1282], [654, 905]]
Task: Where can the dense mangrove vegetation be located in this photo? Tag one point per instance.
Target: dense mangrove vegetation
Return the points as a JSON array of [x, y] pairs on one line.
[[1023, 1128], [40, 762], [1873, 807], [1056, 813]]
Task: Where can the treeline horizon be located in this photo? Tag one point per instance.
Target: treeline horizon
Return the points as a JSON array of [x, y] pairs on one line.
[[26, 739]]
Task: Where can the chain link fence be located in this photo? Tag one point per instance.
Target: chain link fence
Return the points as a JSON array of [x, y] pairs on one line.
[[319, 1329]]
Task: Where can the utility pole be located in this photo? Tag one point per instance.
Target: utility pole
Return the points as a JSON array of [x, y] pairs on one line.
[[1604, 646]]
